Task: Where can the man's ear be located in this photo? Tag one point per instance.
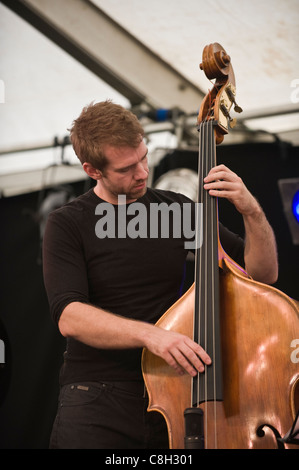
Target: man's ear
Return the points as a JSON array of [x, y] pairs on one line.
[[91, 171]]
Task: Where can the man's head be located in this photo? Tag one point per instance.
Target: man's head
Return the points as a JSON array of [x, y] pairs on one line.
[[100, 125], [108, 141]]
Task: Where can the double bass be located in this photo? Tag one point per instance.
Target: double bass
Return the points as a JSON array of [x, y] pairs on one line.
[[248, 398]]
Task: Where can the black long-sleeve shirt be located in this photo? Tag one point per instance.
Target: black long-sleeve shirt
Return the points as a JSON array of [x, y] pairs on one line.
[[138, 278]]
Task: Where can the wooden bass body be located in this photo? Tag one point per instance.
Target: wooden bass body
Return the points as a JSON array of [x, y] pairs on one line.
[[260, 374]]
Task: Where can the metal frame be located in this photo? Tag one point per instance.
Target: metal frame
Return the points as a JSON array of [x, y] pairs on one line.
[[112, 53]]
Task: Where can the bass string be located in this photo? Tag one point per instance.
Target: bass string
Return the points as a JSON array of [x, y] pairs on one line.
[[205, 262], [210, 254], [195, 390], [205, 273], [198, 263], [214, 263]]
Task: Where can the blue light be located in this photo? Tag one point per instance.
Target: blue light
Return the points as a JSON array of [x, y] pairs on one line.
[[295, 206], [162, 115]]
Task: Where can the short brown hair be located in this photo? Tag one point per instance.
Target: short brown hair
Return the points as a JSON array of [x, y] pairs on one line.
[[103, 124]]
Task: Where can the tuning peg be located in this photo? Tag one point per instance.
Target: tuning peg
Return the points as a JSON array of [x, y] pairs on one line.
[[237, 108], [225, 111], [232, 122], [230, 90]]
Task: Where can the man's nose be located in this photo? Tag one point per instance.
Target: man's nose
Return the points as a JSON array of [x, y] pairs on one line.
[[141, 171]]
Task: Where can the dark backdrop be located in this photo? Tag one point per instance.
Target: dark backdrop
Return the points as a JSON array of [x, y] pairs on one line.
[[260, 166], [33, 346]]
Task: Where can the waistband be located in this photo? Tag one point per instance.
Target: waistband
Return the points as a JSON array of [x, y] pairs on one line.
[[135, 387]]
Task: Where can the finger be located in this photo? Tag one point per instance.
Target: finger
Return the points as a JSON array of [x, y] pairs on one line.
[[222, 176], [192, 368], [195, 356], [221, 185], [172, 362], [218, 168], [220, 193], [202, 354]]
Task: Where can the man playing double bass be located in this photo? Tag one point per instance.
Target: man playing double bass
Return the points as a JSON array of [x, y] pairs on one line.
[[107, 292]]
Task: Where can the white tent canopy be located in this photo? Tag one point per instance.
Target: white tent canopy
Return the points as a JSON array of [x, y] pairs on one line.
[[43, 88]]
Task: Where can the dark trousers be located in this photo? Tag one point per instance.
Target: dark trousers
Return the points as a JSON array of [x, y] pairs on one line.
[[107, 416]]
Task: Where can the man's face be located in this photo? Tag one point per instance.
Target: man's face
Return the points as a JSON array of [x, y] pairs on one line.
[[125, 173]]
